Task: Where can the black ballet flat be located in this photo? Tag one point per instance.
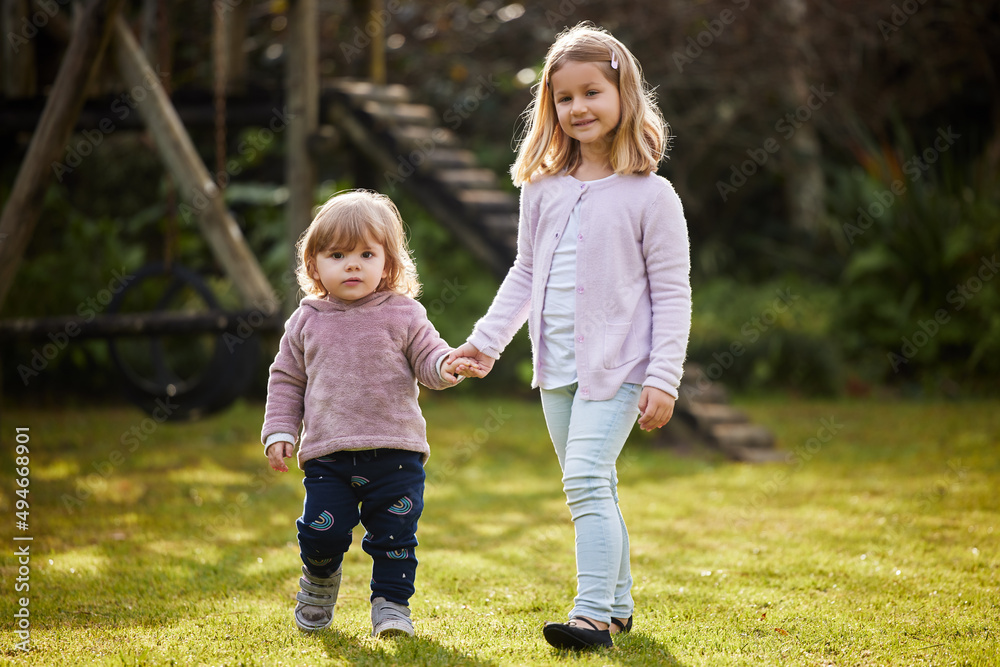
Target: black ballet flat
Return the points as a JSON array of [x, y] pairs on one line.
[[623, 629], [575, 637]]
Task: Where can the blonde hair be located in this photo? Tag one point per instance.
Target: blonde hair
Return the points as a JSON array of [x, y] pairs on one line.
[[640, 140], [350, 218]]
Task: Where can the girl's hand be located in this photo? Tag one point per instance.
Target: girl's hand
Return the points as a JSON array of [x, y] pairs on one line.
[[656, 407], [484, 363], [462, 367], [279, 451]]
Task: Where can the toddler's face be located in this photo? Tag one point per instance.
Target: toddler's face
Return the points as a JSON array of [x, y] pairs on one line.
[[350, 274]]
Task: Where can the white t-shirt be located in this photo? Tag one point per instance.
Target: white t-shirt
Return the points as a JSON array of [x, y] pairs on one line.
[[557, 363]]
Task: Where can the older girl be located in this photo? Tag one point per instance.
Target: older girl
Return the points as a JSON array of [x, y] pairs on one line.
[[602, 278]]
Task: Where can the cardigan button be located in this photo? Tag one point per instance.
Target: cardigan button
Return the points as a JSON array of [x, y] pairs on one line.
[[579, 339], [579, 290]]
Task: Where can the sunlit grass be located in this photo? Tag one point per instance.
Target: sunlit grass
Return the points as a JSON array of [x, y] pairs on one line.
[[876, 542]]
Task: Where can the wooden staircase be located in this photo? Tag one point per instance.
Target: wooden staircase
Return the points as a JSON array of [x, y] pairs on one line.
[[412, 152], [704, 418]]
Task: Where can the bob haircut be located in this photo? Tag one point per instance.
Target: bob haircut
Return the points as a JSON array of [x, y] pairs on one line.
[[640, 140], [350, 218]]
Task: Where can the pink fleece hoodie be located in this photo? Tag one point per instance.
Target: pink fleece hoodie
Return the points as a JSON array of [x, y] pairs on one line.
[[347, 374]]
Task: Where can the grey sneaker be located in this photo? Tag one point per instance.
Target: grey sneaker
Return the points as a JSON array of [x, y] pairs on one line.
[[390, 619], [314, 610]]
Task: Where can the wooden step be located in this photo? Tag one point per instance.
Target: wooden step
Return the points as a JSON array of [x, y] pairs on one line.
[[746, 442], [423, 137], [395, 114], [468, 178], [493, 201], [364, 91], [501, 223], [697, 387], [708, 415], [450, 158]]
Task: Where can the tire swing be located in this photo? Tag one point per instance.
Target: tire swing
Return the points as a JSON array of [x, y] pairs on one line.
[[183, 370]]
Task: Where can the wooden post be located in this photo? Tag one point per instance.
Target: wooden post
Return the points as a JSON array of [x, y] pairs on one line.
[[20, 214], [147, 32], [376, 63], [196, 186], [236, 36], [805, 188], [220, 65], [302, 96], [19, 32]]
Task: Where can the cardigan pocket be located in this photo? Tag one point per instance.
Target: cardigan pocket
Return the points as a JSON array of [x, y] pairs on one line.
[[620, 346]]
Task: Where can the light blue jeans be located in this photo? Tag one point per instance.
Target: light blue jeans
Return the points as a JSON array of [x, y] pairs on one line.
[[588, 437]]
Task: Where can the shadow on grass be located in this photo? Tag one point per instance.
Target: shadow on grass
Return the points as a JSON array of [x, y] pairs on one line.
[[397, 650], [639, 648], [190, 532], [636, 648]]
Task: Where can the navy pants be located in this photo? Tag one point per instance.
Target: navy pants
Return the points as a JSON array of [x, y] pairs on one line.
[[381, 488]]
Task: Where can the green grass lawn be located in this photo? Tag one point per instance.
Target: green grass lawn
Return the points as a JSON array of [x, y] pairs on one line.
[[876, 542]]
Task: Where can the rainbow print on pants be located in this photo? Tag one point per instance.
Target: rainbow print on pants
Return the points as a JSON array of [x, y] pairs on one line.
[[401, 506], [324, 522]]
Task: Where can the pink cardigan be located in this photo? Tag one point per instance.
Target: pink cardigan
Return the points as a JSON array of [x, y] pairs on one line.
[[633, 294], [347, 375]]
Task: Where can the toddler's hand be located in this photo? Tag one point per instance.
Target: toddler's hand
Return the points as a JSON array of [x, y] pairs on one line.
[[480, 365], [461, 366], [279, 451], [470, 368]]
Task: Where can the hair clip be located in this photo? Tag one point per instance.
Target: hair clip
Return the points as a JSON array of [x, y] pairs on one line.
[[614, 60]]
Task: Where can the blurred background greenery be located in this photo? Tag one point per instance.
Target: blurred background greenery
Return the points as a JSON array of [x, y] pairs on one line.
[[838, 163]]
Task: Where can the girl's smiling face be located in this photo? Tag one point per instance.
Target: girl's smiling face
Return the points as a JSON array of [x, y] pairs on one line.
[[351, 274], [587, 104]]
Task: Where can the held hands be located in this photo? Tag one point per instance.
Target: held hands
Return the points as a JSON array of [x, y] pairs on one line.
[[279, 451], [656, 407], [468, 361], [453, 369]]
